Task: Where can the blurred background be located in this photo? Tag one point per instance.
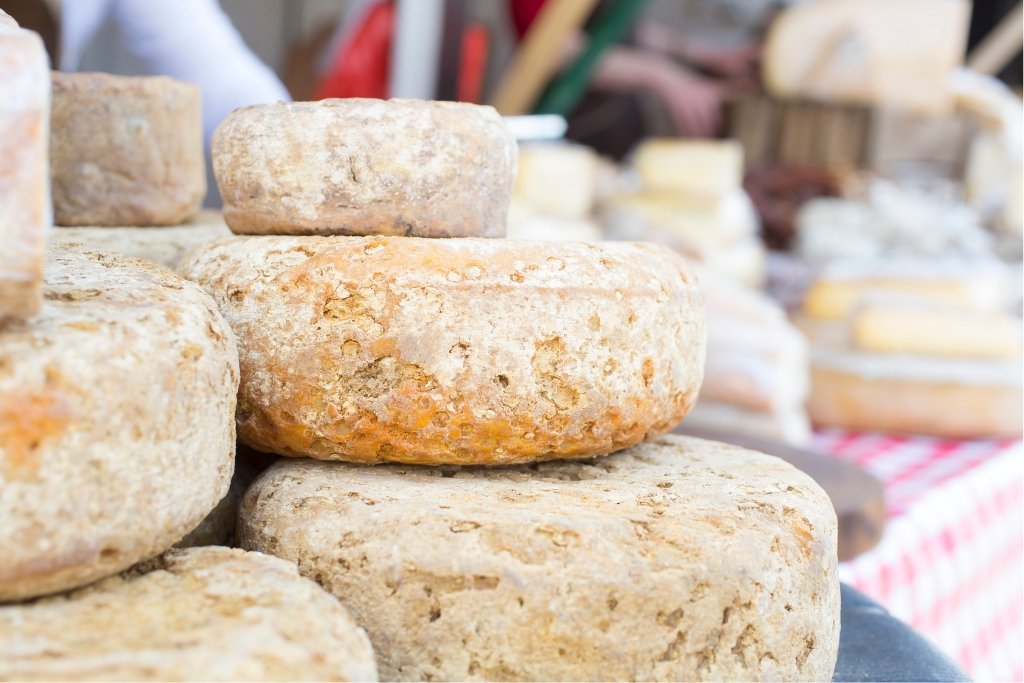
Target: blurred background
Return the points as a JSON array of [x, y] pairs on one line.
[[846, 174]]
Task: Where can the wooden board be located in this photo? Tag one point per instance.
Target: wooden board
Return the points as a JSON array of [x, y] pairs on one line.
[[858, 497]]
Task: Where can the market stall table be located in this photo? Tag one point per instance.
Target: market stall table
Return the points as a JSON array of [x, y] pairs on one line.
[[951, 561]]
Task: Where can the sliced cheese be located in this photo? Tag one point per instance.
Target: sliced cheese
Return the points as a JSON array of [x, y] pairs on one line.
[[936, 332], [896, 53], [558, 180], [710, 168]]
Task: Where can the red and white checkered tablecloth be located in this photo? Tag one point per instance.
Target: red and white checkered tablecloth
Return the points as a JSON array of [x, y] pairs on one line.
[[951, 561]]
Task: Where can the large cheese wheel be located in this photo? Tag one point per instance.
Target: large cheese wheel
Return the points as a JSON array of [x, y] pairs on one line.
[[24, 175], [202, 614], [126, 150], [116, 422], [165, 246], [375, 349], [365, 167], [678, 559]]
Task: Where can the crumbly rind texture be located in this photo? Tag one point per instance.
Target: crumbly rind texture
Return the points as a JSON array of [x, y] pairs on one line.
[[165, 246], [210, 614], [365, 167], [117, 430], [472, 351], [126, 150], [946, 409], [678, 559], [25, 207]]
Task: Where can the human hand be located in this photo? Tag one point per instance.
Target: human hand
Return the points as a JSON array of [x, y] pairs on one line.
[[695, 103]]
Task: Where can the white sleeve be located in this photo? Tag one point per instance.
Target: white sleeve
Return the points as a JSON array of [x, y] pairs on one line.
[[194, 41]]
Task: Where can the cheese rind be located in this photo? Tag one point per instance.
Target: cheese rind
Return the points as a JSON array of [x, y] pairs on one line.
[[25, 206]]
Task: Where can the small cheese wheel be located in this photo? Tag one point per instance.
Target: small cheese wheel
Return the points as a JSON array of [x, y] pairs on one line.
[[165, 246], [365, 167], [116, 421], [126, 150], [190, 615], [678, 559], [24, 174], [373, 349]]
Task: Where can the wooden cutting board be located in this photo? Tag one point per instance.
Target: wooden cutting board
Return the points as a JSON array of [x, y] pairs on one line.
[[858, 498]]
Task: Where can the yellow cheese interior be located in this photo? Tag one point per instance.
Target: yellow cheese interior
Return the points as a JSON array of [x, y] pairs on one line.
[[935, 332], [836, 299]]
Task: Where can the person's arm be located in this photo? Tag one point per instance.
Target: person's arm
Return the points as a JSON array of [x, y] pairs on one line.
[[731, 61]]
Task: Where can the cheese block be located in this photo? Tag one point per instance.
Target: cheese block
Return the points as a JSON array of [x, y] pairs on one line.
[[870, 52], [789, 425], [117, 407], [25, 213], [677, 559], [126, 150], [894, 328], [557, 179], [365, 167], [525, 223], [165, 246], [835, 296], [947, 398], [701, 168], [455, 351], [201, 614]]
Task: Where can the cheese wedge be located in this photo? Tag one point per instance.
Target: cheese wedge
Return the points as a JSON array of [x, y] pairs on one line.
[[710, 168], [936, 332], [557, 180]]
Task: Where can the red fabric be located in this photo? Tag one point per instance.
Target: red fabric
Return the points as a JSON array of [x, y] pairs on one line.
[[473, 62], [359, 68], [523, 13]]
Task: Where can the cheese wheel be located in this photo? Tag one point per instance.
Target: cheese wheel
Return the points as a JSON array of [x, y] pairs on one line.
[[116, 421], [678, 559], [126, 150], [190, 615], [376, 349], [365, 167], [788, 424], [165, 246], [24, 174], [948, 398]]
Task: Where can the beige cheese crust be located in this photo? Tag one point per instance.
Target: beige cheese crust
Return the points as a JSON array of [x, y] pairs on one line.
[[365, 167], [126, 150], [117, 430], [373, 349], [678, 559], [25, 206], [210, 614], [165, 246]]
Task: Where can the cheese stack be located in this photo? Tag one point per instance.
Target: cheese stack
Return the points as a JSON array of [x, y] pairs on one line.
[[756, 378], [366, 339], [554, 193], [126, 156], [915, 348], [688, 196]]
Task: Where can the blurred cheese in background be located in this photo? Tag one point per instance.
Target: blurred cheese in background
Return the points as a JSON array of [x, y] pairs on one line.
[[893, 53], [756, 373], [687, 194], [553, 197]]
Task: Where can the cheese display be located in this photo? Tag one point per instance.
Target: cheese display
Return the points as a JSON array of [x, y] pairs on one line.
[[25, 213], [678, 559], [165, 246], [117, 432], [365, 167], [557, 179], [461, 351], [526, 223], [690, 199], [920, 348], [756, 378], [201, 614], [870, 52], [125, 150]]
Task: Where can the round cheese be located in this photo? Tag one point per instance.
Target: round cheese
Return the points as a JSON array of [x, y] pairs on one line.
[[678, 559], [190, 615], [117, 411], [469, 351], [365, 167]]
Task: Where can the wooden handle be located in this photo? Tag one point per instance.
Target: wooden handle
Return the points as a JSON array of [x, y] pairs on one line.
[[1004, 41]]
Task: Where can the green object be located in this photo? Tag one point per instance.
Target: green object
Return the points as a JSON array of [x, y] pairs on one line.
[[566, 90]]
